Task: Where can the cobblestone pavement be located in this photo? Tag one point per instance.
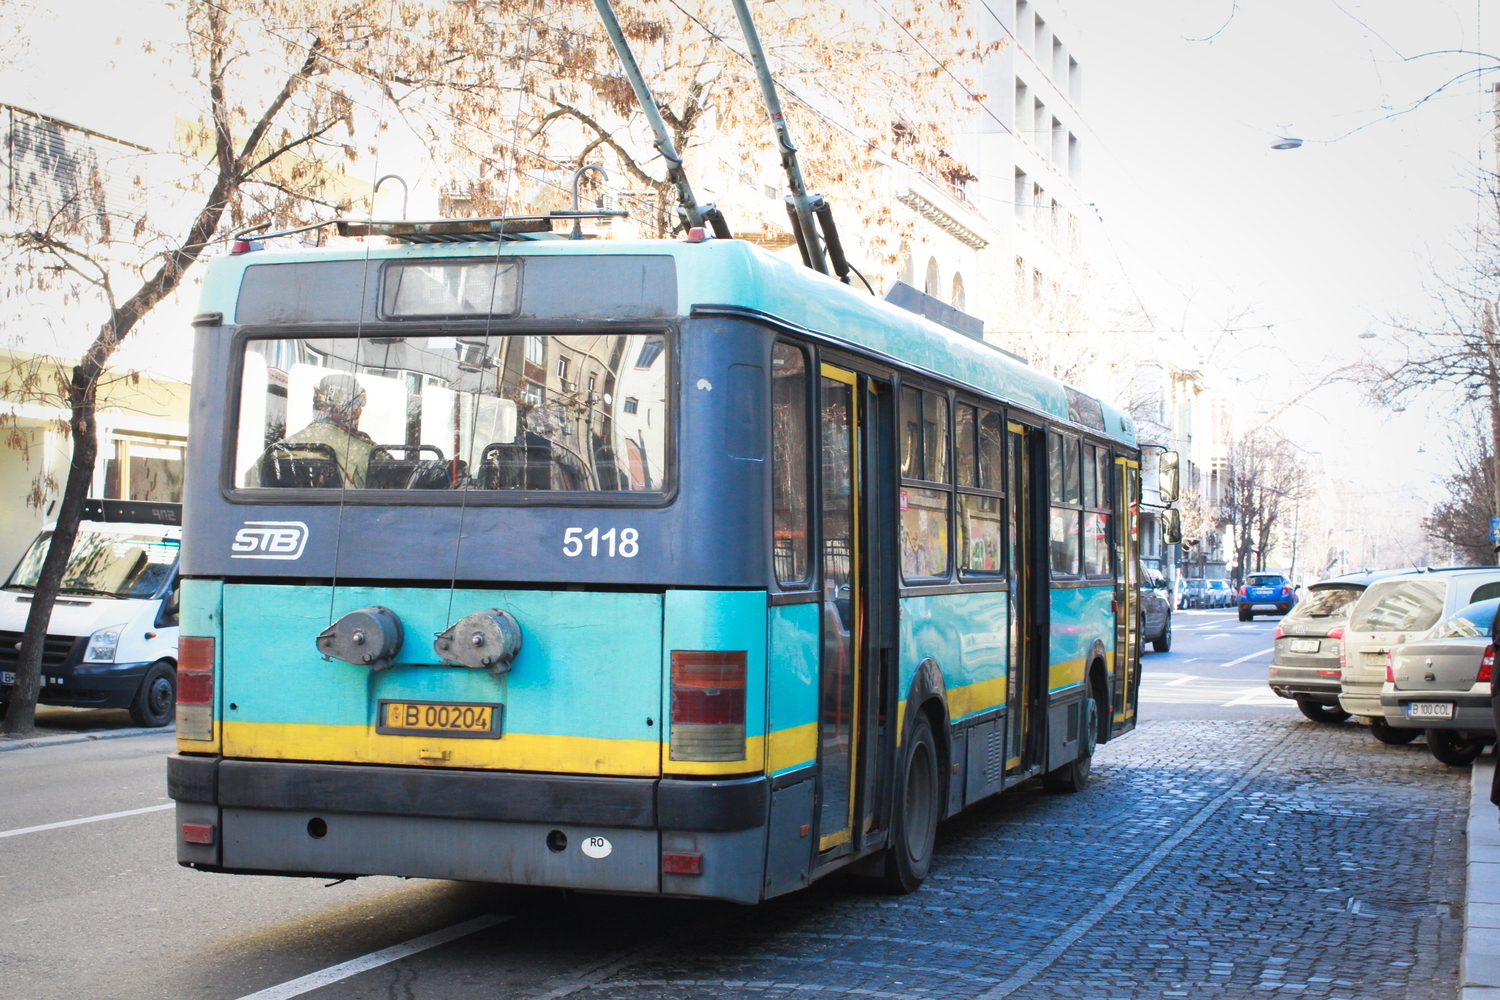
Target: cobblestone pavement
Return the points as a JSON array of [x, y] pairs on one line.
[[1206, 859]]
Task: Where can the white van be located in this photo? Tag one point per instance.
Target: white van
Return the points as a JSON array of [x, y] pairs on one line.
[[112, 640], [1396, 610]]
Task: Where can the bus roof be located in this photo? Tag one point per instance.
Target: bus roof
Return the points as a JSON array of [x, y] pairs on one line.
[[737, 275]]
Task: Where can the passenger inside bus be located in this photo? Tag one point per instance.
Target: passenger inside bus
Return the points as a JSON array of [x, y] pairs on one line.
[[329, 451]]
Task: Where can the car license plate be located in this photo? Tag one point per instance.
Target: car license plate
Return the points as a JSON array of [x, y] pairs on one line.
[[467, 720], [1430, 709], [1264, 607], [8, 678], [1305, 645]]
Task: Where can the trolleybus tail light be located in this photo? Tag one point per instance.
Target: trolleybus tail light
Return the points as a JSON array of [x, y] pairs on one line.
[[195, 688], [1487, 667], [681, 863], [708, 705]]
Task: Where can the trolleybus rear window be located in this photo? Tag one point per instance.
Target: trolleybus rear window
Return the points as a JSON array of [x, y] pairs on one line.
[[576, 412]]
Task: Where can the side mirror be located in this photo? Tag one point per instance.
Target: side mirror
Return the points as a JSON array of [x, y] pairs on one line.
[[170, 607], [1168, 480], [1171, 524]]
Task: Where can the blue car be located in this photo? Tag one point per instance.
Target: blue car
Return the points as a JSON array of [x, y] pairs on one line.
[[1266, 594]]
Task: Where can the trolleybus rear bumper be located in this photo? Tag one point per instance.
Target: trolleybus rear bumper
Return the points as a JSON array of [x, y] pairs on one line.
[[638, 835]]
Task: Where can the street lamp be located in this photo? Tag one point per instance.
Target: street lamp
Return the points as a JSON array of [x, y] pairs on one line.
[[1286, 142]]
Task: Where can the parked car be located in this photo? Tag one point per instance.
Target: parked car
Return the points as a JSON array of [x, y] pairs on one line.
[[1220, 594], [112, 638], [1265, 593], [1394, 611], [1442, 685], [1309, 646], [1192, 593], [1156, 610]]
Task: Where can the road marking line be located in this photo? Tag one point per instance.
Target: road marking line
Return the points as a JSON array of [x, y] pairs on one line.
[[1255, 696], [1184, 679], [86, 819], [374, 960], [1249, 656]]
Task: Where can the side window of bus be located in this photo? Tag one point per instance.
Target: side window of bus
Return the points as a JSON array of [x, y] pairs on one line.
[[978, 440], [789, 442], [1096, 510], [926, 488], [1065, 489]]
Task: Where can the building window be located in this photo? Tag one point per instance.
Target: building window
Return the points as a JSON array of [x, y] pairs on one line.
[[536, 350], [562, 369], [650, 351], [632, 404]]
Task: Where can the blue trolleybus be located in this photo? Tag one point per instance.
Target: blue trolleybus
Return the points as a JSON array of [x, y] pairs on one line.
[[653, 567]]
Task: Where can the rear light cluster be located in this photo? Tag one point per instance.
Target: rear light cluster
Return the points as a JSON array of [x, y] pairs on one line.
[[1280, 633], [1487, 667], [1390, 668], [195, 688], [1244, 590], [708, 705]]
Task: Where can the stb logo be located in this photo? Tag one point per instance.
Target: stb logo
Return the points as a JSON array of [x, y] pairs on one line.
[[269, 540]]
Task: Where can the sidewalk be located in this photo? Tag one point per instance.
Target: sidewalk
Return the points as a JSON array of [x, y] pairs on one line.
[[27, 743], [1479, 970]]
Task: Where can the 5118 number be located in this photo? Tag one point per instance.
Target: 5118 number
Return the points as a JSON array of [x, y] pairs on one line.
[[625, 544]]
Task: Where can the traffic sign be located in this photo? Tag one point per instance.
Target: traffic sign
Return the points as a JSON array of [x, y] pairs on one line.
[[1495, 529]]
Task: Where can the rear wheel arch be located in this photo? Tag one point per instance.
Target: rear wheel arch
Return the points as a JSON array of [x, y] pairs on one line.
[[927, 696], [1098, 689]]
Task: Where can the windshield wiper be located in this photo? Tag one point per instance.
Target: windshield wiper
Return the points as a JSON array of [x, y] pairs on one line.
[[87, 592]]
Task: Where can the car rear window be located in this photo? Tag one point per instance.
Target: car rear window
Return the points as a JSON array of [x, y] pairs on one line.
[[1399, 606], [1327, 602], [1474, 621], [1265, 581]]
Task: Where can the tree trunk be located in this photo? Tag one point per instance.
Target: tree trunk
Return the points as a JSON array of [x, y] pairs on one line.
[[82, 396]]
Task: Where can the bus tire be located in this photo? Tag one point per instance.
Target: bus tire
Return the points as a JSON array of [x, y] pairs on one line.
[[1074, 775], [155, 703], [914, 827]]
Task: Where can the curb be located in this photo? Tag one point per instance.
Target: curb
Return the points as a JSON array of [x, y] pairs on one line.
[[1479, 968], [65, 738]]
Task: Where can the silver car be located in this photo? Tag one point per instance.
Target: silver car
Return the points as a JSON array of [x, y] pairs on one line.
[[1392, 612], [1442, 685], [1309, 644]]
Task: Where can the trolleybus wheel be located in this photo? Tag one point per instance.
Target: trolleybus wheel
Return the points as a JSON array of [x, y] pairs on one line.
[[1321, 713], [1453, 747], [1074, 775], [1395, 736], [915, 827], [156, 702]]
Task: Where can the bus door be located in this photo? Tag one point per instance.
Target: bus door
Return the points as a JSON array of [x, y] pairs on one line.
[[1127, 594], [844, 749], [1025, 687]]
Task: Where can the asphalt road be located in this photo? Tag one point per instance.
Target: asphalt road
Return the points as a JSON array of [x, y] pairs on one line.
[[1227, 848]]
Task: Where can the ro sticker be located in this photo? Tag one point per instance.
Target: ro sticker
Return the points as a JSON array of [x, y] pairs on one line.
[[269, 540], [596, 847]]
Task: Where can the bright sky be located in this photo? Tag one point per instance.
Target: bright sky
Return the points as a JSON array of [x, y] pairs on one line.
[[1312, 245]]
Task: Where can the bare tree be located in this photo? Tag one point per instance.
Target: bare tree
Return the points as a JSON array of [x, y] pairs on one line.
[[1265, 480], [1462, 521]]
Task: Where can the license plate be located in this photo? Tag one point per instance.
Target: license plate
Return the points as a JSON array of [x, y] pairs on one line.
[[8, 678], [1375, 658], [1305, 645], [466, 720], [1264, 607], [1430, 709]]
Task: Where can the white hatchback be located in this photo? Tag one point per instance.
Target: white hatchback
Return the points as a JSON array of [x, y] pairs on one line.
[[1393, 611]]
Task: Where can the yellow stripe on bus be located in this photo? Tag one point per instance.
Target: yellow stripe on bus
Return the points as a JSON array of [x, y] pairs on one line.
[[790, 747]]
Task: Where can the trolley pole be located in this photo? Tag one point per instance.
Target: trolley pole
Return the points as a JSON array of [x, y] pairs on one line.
[[802, 207], [692, 213]]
